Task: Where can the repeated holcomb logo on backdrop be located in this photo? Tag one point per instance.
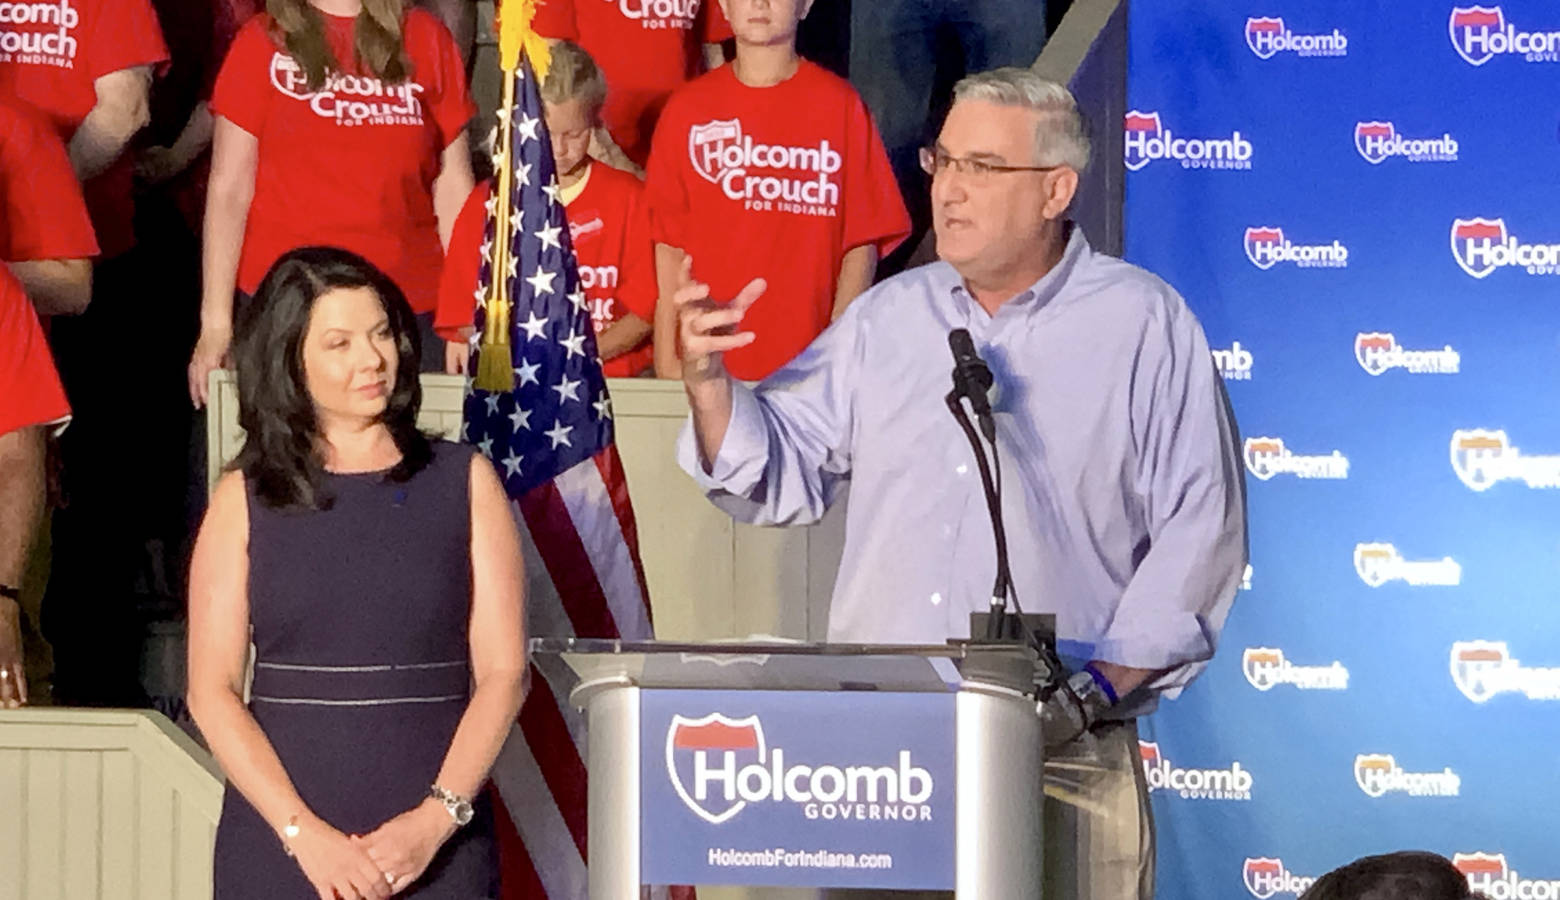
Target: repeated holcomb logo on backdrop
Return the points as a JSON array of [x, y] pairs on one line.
[[1378, 352], [1378, 142], [1483, 670], [1481, 246], [1481, 33], [1378, 774], [1267, 456], [1267, 667], [1266, 246], [1269, 36], [1232, 783], [1148, 140], [1489, 874], [1378, 563], [1483, 458], [1267, 876]]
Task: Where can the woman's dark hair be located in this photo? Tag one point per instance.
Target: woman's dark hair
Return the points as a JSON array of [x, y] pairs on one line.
[[378, 41], [281, 455], [1407, 875]]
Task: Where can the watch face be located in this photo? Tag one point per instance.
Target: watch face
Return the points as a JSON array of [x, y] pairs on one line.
[[462, 812]]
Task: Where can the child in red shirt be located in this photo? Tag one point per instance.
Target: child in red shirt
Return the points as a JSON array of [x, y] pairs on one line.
[[71, 59], [607, 225], [646, 49], [367, 162], [769, 166]]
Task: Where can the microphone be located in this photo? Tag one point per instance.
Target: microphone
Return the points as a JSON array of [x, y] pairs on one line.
[[972, 380]]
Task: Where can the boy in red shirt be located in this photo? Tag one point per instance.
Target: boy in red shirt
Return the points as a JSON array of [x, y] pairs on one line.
[[646, 49], [607, 225], [769, 162]]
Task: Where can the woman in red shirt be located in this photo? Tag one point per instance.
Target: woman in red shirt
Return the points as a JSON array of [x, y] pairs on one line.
[[338, 123]]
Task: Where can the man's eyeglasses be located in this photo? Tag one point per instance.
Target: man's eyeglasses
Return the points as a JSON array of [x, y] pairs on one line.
[[934, 161]]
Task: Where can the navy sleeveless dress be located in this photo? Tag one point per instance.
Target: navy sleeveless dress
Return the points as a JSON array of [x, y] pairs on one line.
[[360, 615]]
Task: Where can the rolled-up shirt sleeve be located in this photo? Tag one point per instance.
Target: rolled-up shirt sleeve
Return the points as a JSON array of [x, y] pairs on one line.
[[1190, 485], [786, 453]]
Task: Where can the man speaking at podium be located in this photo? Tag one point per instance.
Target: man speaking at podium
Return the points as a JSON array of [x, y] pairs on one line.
[[1123, 497]]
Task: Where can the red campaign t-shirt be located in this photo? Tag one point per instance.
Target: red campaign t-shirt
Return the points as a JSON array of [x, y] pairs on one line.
[[778, 183], [611, 236], [30, 390], [645, 48], [351, 165], [42, 215], [52, 62]]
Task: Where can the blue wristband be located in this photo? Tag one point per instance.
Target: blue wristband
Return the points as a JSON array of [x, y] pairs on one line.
[[1103, 682]]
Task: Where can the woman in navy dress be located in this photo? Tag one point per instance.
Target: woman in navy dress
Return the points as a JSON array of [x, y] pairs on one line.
[[379, 576]]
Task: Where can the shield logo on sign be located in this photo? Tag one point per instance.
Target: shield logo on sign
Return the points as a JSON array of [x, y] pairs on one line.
[[1375, 563], [1259, 664], [1262, 876], [707, 143], [1141, 128], [1473, 662], [1472, 241], [1372, 139], [1260, 244], [1476, 454], [1260, 454], [1468, 21], [1371, 771], [1488, 864], [1262, 34], [1371, 349], [718, 746]]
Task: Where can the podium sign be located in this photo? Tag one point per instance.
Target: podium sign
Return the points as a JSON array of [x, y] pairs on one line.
[[798, 788]]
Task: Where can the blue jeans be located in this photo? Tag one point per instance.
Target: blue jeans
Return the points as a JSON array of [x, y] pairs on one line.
[[905, 57]]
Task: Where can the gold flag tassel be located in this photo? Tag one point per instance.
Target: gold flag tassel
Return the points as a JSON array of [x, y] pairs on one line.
[[516, 38]]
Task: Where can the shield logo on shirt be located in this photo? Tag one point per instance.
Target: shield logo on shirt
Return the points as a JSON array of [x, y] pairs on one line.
[[703, 757], [1476, 456], [287, 76], [1260, 664], [1474, 665], [708, 144]]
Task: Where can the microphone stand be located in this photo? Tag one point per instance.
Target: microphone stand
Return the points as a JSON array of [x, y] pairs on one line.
[[1002, 588]]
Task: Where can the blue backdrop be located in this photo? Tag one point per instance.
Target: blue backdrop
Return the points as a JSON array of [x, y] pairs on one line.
[[1362, 203]]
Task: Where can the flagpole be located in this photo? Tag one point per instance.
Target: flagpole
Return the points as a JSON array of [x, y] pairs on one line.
[[495, 367]]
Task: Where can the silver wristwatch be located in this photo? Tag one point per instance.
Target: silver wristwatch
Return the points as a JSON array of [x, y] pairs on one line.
[[457, 806]]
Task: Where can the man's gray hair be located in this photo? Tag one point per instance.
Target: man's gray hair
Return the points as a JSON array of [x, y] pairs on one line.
[[1061, 137]]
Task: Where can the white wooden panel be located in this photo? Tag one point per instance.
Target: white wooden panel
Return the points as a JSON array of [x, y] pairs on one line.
[[120, 837], [45, 824], [13, 823], [155, 821], [83, 809]]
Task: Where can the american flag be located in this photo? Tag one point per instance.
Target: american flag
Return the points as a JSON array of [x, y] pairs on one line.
[[550, 437]]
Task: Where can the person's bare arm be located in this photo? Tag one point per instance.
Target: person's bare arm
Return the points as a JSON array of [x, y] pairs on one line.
[[622, 336], [57, 287], [158, 164], [453, 186], [218, 649], [122, 109], [235, 156], [708, 330], [670, 265], [856, 271], [21, 506], [404, 846]]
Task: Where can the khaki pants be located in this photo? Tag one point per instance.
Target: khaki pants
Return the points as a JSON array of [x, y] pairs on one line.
[[1099, 831]]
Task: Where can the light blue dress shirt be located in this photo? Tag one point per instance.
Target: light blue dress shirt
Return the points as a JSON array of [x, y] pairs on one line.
[[1122, 485]]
